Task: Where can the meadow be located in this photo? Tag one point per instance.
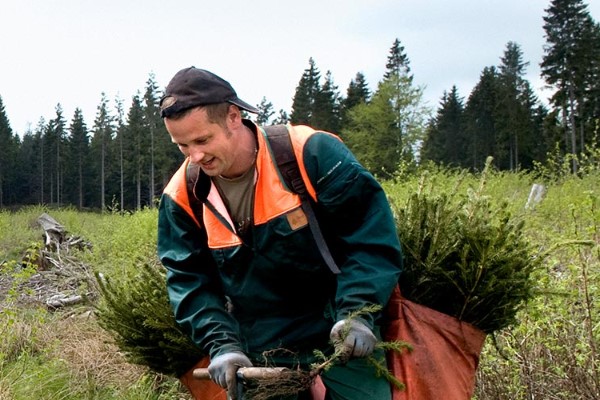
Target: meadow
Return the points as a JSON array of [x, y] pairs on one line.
[[551, 352]]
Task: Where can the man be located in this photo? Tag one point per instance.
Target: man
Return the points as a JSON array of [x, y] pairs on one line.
[[247, 280]]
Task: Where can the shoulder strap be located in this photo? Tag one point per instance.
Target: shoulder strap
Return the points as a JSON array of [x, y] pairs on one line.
[[191, 175], [285, 158]]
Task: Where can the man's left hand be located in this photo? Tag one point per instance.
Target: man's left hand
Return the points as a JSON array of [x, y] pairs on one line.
[[353, 338]]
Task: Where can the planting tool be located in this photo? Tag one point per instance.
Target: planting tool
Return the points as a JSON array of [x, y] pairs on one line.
[[246, 374]]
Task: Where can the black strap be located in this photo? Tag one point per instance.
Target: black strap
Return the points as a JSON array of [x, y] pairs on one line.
[[285, 158], [192, 175]]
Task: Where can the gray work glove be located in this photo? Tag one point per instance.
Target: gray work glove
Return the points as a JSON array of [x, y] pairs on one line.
[[223, 370], [352, 338]]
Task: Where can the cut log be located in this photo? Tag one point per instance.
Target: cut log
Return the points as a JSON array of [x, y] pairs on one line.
[[53, 231]]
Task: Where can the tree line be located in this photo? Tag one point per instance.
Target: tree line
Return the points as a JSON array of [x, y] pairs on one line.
[[123, 161]]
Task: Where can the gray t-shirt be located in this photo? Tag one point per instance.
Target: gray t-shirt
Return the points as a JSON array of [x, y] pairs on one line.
[[238, 194]]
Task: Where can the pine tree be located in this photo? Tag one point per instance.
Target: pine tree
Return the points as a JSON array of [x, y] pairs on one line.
[[54, 154], [385, 143], [466, 256], [480, 119], [155, 145], [590, 107], [445, 140], [514, 114], [99, 150], [77, 180], [544, 135], [568, 65], [41, 159], [326, 107], [266, 111], [306, 94], [168, 157], [398, 63], [358, 92], [282, 118], [118, 150], [407, 102], [28, 189], [135, 172], [8, 151]]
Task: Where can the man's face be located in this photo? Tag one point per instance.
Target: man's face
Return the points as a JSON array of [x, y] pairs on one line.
[[211, 146]]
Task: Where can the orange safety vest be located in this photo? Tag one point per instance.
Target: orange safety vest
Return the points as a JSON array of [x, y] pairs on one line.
[[271, 200]]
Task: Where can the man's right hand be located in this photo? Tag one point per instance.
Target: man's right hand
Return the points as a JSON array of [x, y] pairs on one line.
[[223, 370]]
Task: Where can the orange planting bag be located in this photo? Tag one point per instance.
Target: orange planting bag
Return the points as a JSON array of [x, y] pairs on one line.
[[445, 355]]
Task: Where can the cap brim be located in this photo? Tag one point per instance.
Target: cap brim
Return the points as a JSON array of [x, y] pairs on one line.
[[245, 106]]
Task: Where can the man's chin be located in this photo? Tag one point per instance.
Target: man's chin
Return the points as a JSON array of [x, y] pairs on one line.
[[210, 171]]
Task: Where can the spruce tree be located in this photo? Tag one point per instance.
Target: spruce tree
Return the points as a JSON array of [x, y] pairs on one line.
[[326, 107], [118, 150], [266, 111], [54, 154], [41, 160], [398, 63], [445, 140], [386, 143], [103, 130], [358, 92], [160, 158], [407, 102], [8, 151], [28, 187], [77, 179], [590, 107], [569, 65], [480, 119], [135, 171], [306, 94], [514, 113], [282, 118], [168, 157]]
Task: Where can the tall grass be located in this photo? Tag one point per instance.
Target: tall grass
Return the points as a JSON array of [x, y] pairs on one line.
[[65, 354], [553, 352], [550, 353]]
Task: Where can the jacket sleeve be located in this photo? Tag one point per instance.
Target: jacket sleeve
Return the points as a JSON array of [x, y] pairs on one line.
[[193, 285], [358, 224]]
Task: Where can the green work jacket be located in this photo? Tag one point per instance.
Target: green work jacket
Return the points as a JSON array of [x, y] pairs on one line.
[[271, 289]]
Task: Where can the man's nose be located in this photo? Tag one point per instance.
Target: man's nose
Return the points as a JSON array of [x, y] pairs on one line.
[[196, 155]]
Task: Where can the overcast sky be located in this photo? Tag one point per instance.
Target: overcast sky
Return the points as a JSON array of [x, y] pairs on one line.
[[70, 51]]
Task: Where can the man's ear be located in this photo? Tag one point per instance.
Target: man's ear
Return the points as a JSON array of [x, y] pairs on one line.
[[234, 116]]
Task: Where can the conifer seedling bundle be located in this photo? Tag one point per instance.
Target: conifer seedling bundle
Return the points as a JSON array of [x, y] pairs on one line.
[[465, 257], [135, 310]]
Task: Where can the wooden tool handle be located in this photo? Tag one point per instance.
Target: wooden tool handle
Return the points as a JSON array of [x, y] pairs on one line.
[[245, 373]]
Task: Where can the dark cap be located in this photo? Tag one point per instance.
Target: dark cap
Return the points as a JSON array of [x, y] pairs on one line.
[[193, 87]]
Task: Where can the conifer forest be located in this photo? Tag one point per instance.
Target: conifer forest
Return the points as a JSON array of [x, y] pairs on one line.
[[122, 159]]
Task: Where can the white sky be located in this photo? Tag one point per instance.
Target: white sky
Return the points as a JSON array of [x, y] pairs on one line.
[[70, 51]]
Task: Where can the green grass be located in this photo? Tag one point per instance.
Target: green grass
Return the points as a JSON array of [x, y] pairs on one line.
[[550, 353]]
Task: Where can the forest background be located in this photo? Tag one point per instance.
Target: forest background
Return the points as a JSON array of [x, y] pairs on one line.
[[124, 161]]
